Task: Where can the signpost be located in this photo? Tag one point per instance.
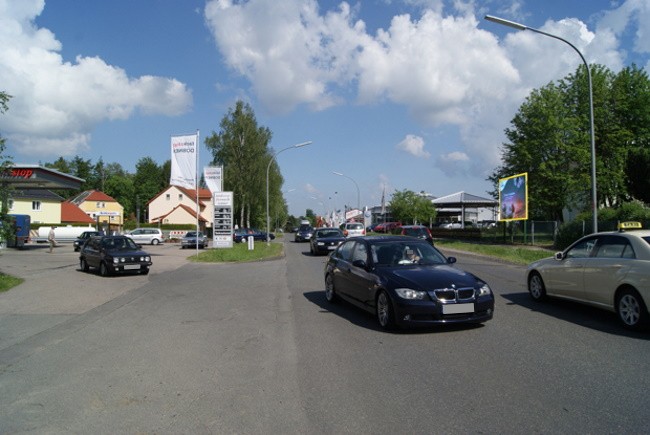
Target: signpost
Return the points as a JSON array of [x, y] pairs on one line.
[[222, 227]]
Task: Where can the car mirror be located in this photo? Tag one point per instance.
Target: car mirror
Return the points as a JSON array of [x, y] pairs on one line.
[[451, 260], [559, 255], [360, 263]]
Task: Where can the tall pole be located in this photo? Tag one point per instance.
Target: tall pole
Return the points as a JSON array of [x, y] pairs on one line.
[[594, 197], [356, 185], [268, 168]]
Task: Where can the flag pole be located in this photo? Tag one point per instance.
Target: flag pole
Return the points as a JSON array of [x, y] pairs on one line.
[[196, 189]]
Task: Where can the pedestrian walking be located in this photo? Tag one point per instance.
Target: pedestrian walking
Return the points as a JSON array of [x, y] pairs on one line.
[[51, 238]]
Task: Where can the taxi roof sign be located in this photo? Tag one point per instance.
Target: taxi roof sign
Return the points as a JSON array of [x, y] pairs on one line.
[[629, 226]]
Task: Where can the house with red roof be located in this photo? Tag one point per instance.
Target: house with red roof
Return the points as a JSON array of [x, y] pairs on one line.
[[102, 209], [178, 205]]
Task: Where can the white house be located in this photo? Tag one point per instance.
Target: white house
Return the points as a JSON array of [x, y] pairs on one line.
[[178, 205]]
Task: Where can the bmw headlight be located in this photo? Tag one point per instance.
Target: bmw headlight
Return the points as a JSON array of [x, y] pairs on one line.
[[320, 243], [407, 293], [484, 290], [147, 259], [116, 260]]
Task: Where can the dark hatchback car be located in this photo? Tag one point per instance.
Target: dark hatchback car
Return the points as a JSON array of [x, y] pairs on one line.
[[419, 231], [325, 240], [77, 244], [304, 233], [242, 235], [405, 282], [114, 254]]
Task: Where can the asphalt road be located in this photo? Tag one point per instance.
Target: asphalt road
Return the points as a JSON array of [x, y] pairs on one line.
[[255, 348]]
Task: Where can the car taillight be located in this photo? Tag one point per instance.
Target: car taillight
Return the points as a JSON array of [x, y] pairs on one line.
[[345, 233], [363, 232]]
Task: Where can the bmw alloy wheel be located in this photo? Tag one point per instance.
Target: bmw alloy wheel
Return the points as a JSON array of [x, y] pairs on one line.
[[330, 293], [384, 311]]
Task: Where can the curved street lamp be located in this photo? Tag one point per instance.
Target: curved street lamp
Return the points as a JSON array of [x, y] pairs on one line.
[[518, 26], [268, 219], [357, 186]]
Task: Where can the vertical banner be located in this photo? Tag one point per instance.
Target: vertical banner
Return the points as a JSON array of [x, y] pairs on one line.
[[213, 176], [184, 155], [513, 197]]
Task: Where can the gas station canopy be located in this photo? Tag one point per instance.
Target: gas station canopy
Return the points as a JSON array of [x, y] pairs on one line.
[[25, 177]]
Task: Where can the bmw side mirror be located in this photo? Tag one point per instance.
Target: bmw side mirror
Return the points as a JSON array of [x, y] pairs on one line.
[[559, 255], [360, 263], [451, 260]]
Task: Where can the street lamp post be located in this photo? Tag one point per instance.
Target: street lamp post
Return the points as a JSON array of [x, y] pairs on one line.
[[357, 186], [591, 106], [268, 168]]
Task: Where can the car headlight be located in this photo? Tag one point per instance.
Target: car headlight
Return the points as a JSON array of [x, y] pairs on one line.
[[407, 293], [147, 259], [320, 243], [484, 290], [116, 260]]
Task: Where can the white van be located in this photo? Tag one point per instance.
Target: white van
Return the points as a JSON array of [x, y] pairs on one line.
[[145, 236], [353, 229]]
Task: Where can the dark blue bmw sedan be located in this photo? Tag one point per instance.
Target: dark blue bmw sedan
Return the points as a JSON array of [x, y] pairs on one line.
[[405, 281]]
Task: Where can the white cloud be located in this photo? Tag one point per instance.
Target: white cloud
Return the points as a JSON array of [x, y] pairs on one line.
[[413, 145], [55, 105], [445, 69]]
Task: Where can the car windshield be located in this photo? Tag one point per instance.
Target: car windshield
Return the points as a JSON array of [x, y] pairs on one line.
[[329, 233], [190, 234], [355, 226], [121, 243], [413, 231], [405, 253]]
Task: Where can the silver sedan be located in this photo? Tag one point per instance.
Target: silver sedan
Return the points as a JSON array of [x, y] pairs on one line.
[[609, 270]]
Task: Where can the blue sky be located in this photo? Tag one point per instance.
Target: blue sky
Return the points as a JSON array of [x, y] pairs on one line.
[[411, 94]]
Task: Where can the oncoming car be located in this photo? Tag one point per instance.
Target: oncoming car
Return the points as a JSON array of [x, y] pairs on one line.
[[405, 281], [113, 254], [609, 270], [325, 240]]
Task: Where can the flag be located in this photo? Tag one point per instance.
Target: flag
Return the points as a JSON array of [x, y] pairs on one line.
[[184, 155], [383, 201], [213, 178]]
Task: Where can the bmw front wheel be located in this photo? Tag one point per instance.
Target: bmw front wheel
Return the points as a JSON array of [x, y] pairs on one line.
[[385, 315]]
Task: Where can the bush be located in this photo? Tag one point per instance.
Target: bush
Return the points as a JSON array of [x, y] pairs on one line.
[[608, 219]]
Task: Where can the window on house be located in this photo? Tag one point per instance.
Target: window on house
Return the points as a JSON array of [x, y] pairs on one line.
[[36, 205], [168, 197], [10, 204], [180, 196]]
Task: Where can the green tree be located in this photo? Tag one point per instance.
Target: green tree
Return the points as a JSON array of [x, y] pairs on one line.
[[5, 163], [541, 144], [148, 180], [241, 147], [407, 206], [549, 138]]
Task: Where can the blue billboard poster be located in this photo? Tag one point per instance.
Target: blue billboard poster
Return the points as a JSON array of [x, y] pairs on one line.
[[513, 198]]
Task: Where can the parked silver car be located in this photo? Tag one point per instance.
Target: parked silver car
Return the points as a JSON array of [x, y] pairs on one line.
[[147, 236]]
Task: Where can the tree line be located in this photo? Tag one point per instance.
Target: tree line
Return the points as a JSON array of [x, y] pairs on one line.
[[549, 138]]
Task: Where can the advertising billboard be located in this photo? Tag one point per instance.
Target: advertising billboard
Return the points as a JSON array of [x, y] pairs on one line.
[[513, 197]]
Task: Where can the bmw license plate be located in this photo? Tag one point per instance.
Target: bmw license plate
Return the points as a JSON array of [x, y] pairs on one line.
[[457, 308], [131, 266]]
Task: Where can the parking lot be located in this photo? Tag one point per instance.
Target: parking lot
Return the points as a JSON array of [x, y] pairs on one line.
[[54, 284]]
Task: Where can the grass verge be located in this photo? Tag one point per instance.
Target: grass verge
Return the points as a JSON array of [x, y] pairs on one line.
[[512, 253], [240, 253], [8, 282]]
